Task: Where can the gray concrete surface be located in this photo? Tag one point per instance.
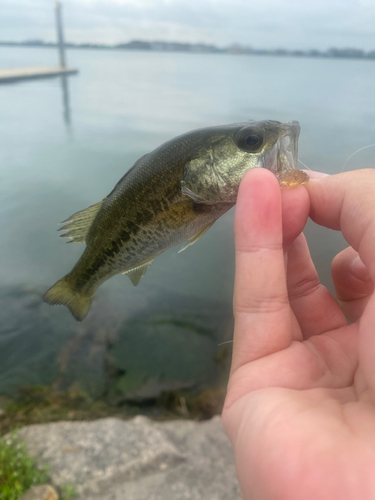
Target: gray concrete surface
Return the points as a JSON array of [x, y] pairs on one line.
[[138, 459]]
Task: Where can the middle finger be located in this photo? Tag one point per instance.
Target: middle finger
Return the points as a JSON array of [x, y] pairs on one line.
[[314, 307]]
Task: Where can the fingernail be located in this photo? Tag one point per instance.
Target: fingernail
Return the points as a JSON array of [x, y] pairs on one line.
[[359, 270]]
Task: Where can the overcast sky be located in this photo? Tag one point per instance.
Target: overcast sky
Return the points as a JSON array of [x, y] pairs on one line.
[[290, 24]]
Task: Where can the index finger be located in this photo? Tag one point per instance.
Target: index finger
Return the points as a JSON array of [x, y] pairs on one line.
[[346, 202], [261, 306]]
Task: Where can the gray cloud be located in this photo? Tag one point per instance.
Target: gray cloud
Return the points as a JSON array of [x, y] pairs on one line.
[[269, 23]]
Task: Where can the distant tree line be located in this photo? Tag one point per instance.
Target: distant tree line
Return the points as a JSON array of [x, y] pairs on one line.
[[346, 53]]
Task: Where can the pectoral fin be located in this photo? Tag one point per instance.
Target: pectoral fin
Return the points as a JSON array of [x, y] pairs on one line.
[[196, 237], [79, 223], [137, 273], [193, 196]]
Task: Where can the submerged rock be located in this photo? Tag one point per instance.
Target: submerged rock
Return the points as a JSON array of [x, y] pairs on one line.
[[110, 459], [119, 353], [167, 351], [30, 339]]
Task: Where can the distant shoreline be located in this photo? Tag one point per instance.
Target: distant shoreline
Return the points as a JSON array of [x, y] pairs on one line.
[[196, 48]]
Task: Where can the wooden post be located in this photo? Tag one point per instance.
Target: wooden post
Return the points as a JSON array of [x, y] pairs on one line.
[[60, 34]]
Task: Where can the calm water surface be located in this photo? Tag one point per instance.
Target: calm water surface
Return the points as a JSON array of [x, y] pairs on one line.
[[64, 145]]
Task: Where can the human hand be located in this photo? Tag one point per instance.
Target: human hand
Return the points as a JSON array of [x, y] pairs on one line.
[[300, 406]]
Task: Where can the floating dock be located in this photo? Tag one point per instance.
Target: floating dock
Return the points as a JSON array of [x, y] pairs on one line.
[[17, 74]]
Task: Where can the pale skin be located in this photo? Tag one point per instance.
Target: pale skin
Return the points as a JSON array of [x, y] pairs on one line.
[[300, 406]]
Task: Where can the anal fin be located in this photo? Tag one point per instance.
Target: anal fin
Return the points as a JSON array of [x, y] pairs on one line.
[[196, 237], [137, 273]]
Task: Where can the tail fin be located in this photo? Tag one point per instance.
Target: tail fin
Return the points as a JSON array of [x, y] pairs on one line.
[[62, 293]]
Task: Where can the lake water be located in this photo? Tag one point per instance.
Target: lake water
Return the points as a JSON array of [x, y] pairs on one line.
[[64, 147]]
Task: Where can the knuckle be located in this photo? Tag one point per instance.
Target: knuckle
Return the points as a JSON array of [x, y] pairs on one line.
[[304, 286], [261, 305], [254, 248]]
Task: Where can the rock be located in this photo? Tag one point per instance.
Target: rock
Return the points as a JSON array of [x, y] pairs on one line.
[[111, 459], [41, 492], [142, 354], [96, 455]]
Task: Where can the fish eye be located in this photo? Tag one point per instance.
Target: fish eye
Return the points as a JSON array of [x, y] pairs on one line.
[[250, 140]]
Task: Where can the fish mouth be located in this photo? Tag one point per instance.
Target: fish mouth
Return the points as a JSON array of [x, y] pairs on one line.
[[283, 156], [288, 148]]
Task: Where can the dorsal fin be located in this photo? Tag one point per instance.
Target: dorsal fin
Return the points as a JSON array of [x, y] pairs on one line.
[[79, 223], [137, 273]]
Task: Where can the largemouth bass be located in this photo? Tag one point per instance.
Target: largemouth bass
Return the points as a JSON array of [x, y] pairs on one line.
[[172, 195]]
